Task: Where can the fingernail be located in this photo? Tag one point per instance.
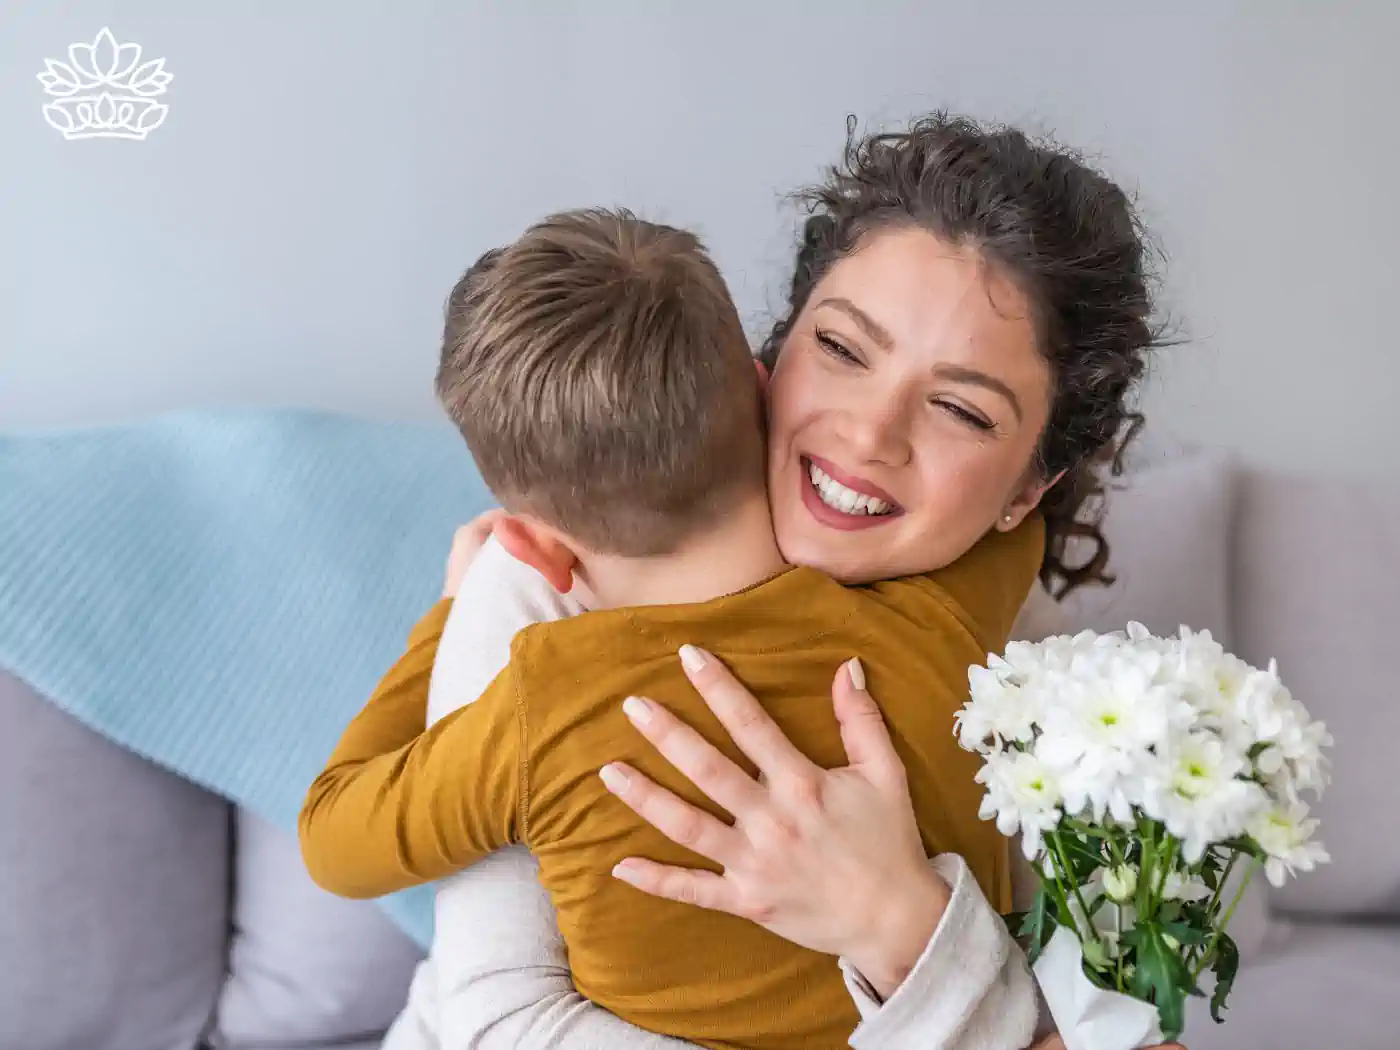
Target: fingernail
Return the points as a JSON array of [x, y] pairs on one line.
[[692, 659], [637, 709], [625, 873], [614, 779], [857, 673]]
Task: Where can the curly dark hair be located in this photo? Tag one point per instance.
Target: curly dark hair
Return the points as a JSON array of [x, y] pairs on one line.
[[1072, 242]]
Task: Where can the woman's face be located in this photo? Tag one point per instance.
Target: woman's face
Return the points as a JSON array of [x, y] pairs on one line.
[[904, 411]]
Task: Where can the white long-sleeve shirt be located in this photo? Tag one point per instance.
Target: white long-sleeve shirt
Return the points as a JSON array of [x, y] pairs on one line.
[[497, 975]]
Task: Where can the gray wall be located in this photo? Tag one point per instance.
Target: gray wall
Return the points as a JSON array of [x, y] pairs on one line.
[[288, 235]]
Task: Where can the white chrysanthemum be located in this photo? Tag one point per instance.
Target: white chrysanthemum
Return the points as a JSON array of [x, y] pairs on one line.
[[1194, 788], [1105, 717], [1212, 680], [1120, 883], [1127, 725], [1293, 761], [999, 711], [1023, 795], [1285, 834]]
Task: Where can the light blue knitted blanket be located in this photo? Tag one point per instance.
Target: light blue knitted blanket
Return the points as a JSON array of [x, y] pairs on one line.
[[220, 591]]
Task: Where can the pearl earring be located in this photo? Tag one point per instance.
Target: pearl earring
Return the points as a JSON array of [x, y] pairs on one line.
[[1006, 519]]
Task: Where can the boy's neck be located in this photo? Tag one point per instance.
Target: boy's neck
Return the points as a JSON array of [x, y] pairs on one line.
[[737, 552]]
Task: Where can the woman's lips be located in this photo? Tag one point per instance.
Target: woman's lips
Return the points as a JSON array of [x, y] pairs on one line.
[[855, 484], [830, 516]]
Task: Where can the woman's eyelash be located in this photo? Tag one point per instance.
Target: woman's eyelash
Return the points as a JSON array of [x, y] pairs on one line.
[[832, 348], [970, 418]]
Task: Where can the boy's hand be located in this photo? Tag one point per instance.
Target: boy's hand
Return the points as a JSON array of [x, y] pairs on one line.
[[466, 542]]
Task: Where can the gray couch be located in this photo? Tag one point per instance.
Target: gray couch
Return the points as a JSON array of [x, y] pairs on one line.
[[142, 913]]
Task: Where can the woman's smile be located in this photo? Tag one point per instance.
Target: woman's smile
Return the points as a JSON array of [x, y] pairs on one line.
[[843, 501]]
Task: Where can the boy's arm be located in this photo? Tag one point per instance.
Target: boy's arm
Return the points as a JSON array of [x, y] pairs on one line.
[[380, 819], [398, 707], [504, 971]]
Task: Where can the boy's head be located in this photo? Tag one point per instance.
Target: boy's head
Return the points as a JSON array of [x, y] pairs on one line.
[[600, 375]]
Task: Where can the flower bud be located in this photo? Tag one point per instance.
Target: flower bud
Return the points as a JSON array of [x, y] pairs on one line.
[[1120, 883]]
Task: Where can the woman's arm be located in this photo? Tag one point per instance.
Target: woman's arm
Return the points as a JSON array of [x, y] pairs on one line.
[[831, 859]]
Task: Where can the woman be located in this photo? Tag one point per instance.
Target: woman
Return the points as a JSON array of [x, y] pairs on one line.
[[963, 298]]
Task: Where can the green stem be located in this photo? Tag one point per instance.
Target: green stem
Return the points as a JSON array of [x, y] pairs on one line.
[[1214, 901], [1167, 864], [1062, 899], [1119, 859], [1118, 917], [1060, 852], [1229, 914], [1145, 867]]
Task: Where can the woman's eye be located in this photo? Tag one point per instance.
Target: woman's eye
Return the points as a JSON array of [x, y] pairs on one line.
[[832, 348], [961, 414]]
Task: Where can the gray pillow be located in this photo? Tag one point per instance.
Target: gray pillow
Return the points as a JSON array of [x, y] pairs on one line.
[[305, 967], [114, 886]]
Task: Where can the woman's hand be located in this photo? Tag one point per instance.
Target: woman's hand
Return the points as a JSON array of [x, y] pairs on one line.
[[466, 543], [828, 859]]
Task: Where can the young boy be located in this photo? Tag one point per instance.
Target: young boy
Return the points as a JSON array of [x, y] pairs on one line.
[[600, 376]]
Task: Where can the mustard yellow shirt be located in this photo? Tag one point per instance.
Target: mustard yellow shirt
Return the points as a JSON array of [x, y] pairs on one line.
[[399, 805]]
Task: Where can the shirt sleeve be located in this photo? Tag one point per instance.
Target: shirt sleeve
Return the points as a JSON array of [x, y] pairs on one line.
[[381, 818], [503, 971], [498, 598], [970, 990]]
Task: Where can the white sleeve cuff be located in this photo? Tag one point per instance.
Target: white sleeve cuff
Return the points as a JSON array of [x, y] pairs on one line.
[[971, 988]]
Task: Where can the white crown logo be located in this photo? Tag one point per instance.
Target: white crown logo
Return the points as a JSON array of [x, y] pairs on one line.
[[104, 91]]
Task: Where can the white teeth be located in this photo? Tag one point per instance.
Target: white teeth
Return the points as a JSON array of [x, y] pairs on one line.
[[839, 497]]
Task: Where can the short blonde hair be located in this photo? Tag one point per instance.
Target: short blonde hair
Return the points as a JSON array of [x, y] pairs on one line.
[[599, 372]]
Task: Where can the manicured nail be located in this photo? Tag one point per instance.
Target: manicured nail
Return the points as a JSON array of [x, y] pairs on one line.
[[692, 659], [637, 709], [857, 673], [614, 779], [623, 871]]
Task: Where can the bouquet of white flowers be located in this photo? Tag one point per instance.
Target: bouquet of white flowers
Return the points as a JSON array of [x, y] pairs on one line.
[[1141, 773]]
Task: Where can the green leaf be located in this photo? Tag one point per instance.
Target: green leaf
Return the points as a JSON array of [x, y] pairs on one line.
[[1184, 933], [1037, 925], [1248, 847], [1210, 873], [1085, 855], [1225, 966], [1170, 912], [1161, 978]]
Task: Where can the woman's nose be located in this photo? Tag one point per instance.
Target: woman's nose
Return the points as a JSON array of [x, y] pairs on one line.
[[877, 434]]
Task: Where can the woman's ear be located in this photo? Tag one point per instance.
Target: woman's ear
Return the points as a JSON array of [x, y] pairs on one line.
[[538, 546], [1025, 499]]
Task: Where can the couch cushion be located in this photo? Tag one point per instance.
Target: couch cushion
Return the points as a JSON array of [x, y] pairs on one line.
[[305, 967], [115, 890], [1320, 986], [1317, 585], [1168, 524]]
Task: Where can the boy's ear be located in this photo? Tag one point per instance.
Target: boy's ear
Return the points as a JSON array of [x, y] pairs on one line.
[[540, 547], [762, 376]]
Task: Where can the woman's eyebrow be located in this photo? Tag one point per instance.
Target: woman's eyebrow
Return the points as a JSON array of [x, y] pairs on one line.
[[868, 324], [963, 374]]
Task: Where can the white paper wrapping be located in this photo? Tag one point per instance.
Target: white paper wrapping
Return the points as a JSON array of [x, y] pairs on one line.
[[1088, 1017]]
